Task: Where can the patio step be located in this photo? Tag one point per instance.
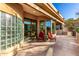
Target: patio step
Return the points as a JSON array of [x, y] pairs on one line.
[[34, 48], [32, 51]]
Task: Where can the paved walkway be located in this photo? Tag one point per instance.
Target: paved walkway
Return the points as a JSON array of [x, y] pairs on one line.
[[66, 46], [36, 49]]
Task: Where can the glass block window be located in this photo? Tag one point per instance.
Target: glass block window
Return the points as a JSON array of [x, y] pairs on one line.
[[11, 31], [0, 30]]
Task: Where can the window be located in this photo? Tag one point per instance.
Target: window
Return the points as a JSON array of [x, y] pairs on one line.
[[48, 23], [41, 25], [33, 29], [30, 28], [11, 31], [27, 27], [53, 28]]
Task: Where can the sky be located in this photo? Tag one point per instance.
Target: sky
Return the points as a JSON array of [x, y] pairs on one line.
[[67, 10]]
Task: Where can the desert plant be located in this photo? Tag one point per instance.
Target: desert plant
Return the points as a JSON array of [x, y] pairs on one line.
[[77, 29]]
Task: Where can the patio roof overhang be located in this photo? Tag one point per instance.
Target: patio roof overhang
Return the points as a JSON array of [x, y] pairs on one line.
[[43, 10]]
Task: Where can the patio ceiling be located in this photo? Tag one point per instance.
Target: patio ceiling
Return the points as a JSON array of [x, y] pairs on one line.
[[43, 10], [31, 11]]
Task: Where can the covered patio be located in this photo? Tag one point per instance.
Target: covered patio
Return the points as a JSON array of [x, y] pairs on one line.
[[39, 16]]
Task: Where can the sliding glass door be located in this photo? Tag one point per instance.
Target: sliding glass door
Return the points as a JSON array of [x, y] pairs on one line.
[[30, 28]]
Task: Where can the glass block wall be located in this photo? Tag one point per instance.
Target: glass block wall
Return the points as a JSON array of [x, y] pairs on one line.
[[11, 32]]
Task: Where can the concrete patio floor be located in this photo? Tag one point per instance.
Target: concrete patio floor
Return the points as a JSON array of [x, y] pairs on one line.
[[64, 46]]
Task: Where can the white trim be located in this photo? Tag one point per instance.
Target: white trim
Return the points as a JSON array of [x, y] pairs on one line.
[[51, 26], [60, 15], [53, 7]]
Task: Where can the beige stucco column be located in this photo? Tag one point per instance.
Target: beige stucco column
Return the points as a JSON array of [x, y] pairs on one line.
[[38, 27], [55, 26], [51, 25], [45, 27], [62, 28]]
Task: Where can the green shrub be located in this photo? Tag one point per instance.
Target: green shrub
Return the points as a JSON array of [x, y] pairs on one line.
[[77, 29]]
